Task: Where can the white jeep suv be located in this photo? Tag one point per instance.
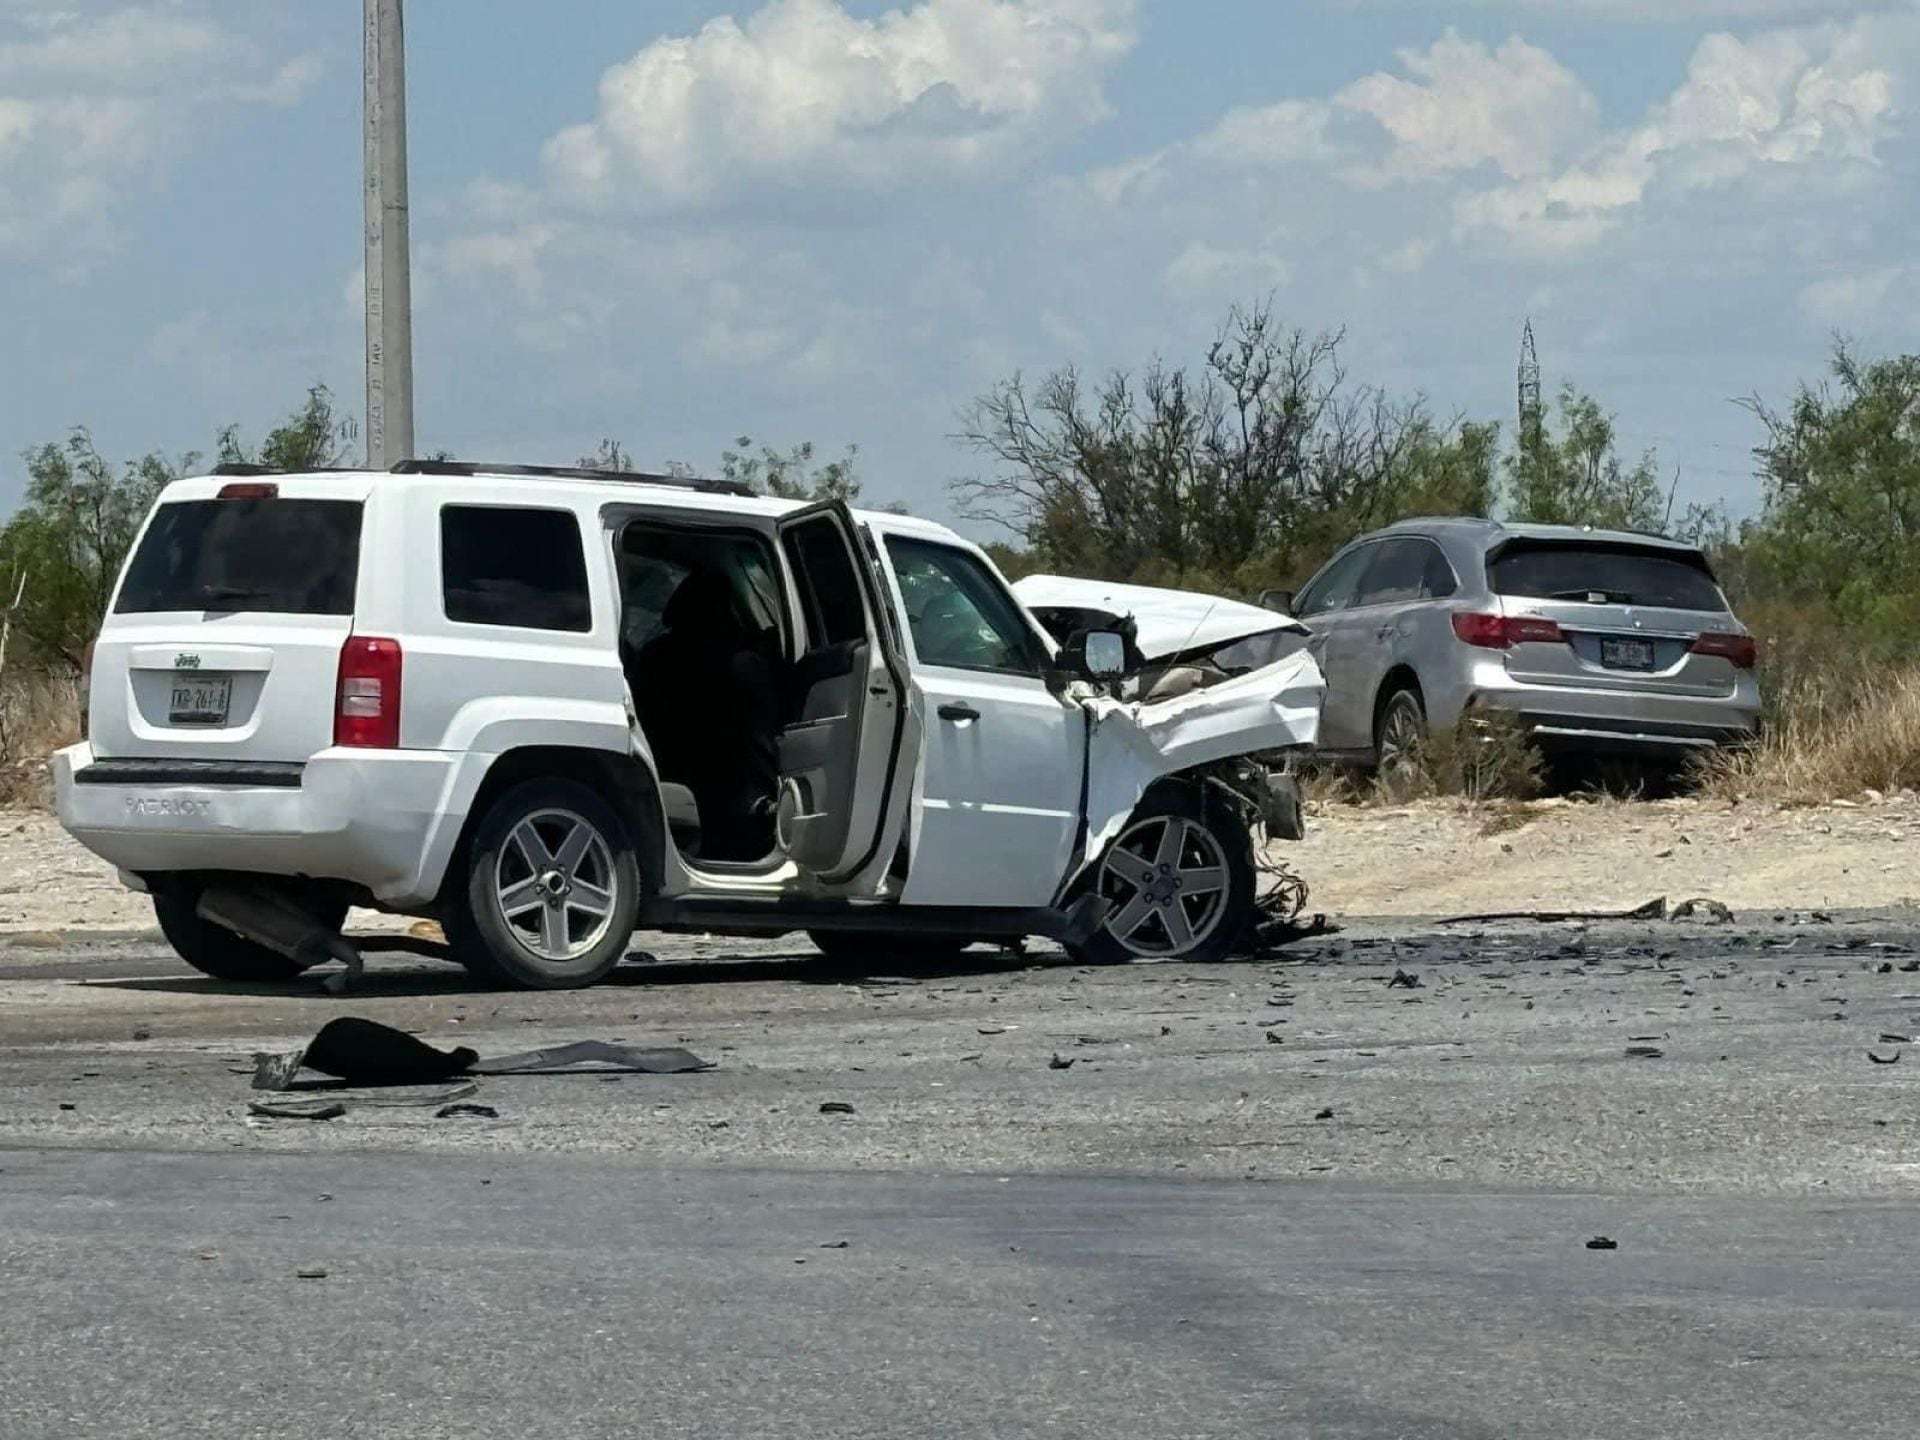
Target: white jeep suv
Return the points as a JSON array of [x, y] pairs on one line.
[[550, 707]]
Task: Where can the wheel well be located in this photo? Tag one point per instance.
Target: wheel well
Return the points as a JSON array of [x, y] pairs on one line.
[[626, 783], [1401, 677]]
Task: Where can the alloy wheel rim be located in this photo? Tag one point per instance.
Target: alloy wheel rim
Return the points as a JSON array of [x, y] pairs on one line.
[[554, 885], [1166, 881]]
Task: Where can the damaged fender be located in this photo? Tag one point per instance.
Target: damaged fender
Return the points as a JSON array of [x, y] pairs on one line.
[[1136, 743]]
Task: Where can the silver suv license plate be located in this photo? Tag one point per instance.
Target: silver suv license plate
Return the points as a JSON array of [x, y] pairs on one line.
[[1627, 654], [200, 699]]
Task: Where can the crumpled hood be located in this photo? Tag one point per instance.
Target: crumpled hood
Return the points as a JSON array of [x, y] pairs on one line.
[[1169, 622], [1134, 743]]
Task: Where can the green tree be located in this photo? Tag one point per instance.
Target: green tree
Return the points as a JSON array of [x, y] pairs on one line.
[[1839, 536], [315, 437], [611, 455], [791, 474], [1576, 477], [63, 548], [1244, 472]]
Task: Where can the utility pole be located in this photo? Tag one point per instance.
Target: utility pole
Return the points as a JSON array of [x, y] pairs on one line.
[[389, 284]]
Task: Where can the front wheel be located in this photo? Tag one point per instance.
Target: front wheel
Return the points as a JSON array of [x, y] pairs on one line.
[[1178, 882], [551, 890]]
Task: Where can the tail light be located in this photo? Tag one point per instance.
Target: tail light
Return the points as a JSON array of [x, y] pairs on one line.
[[1503, 632], [367, 708], [1740, 649]]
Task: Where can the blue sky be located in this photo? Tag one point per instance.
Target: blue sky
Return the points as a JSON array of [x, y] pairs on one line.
[[674, 222]]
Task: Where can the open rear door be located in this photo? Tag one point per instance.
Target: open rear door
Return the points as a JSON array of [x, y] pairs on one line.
[[840, 750]]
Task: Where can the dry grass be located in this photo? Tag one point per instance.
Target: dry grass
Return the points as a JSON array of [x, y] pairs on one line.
[[1485, 759], [38, 714], [1829, 737]]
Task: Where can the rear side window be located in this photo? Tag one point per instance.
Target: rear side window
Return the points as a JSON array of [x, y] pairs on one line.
[[829, 585], [284, 557], [524, 568], [1606, 575], [1333, 588]]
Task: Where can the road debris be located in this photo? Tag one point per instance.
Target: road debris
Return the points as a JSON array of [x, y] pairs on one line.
[[363, 1052], [1402, 980], [1702, 908], [1893, 1059], [311, 1272], [1645, 1052], [1326, 1114], [1274, 1037], [835, 1107], [478, 1112], [296, 1109], [1602, 1242], [1652, 910], [1056, 1063]]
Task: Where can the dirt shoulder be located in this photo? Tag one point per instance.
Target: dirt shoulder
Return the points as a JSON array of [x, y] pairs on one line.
[[1433, 858], [1447, 858]]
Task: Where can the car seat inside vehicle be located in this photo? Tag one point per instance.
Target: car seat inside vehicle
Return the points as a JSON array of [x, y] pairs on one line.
[[702, 644]]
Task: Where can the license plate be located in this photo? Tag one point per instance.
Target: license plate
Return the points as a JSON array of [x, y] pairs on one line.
[[200, 699], [1626, 654]]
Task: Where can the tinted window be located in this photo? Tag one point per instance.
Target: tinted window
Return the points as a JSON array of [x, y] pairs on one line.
[[1438, 580], [829, 584], [520, 567], [655, 560], [1606, 574], [1404, 571], [1332, 589], [960, 614], [288, 557]]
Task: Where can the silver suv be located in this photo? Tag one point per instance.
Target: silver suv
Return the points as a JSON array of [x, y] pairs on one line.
[[1598, 641]]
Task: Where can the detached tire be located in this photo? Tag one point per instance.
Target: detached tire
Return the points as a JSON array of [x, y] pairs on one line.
[[1179, 881], [215, 950], [550, 889], [861, 948]]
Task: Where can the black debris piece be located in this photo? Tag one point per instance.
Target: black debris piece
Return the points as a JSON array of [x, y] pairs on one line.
[[297, 1109], [834, 1245], [1403, 981], [1893, 1059], [143, 1034], [1056, 1063], [1702, 908], [835, 1107], [311, 1272], [478, 1112], [1326, 1114], [1601, 1242], [1889, 1037], [1645, 1052], [366, 1053], [1274, 1037]]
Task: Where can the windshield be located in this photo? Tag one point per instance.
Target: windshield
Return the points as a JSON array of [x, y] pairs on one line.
[[1606, 575], [291, 557]]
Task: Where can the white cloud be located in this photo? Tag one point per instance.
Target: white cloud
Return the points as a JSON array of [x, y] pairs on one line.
[[1818, 103], [93, 98], [1516, 108], [803, 92], [1861, 298]]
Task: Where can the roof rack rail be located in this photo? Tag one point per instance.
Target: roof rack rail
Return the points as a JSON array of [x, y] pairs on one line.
[[252, 470], [570, 472]]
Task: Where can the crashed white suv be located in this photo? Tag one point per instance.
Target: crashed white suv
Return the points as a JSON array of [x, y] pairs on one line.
[[552, 707]]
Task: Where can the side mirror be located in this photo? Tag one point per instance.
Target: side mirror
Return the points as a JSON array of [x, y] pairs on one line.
[[1280, 600], [1095, 655]]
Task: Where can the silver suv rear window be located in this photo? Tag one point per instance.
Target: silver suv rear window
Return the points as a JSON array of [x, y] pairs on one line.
[[1605, 574], [271, 556]]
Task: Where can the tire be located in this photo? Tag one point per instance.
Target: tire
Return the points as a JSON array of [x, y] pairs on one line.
[[215, 950], [1399, 743], [521, 913], [1158, 908], [862, 947]]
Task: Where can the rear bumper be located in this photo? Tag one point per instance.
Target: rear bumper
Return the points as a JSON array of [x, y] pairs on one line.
[[365, 817], [1625, 721]]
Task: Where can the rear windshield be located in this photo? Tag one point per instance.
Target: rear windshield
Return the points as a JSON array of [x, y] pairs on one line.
[[1606, 574], [287, 557]]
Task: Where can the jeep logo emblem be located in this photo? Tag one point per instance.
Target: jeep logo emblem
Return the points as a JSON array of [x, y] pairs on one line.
[[186, 662]]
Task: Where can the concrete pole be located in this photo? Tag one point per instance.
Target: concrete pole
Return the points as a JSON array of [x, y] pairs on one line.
[[389, 285]]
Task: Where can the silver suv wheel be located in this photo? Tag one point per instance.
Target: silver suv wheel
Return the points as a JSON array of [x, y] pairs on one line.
[[554, 881]]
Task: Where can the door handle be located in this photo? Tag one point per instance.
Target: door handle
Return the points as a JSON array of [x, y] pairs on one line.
[[1385, 631], [959, 712]]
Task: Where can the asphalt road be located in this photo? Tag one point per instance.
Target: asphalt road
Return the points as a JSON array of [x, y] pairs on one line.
[[1373, 1226]]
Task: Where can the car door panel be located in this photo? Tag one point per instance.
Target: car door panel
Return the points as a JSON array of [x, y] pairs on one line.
[[997, 793]]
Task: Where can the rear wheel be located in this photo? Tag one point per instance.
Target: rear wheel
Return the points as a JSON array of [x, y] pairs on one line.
[[1178, 882], [550, 892], [215, 950]]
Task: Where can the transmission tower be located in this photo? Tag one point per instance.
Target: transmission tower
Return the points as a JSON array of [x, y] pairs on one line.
[[1532, 417]]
